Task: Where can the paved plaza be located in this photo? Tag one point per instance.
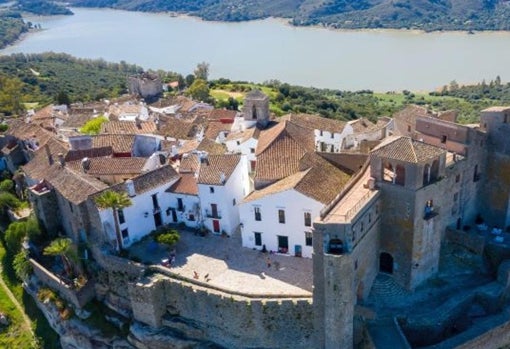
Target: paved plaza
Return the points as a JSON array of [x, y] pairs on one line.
[[222, 262]]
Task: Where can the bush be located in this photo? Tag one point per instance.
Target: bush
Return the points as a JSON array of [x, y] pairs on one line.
[[169, 238]]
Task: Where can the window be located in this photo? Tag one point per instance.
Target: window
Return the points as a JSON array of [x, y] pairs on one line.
[[155, 201], [211, 190], [283, 244], [252, 150], [443, 138], [353, 234], [308, 238], [120, 214], [125, 233], [258, 216], [233, 201], [71, 206], [332, 135], [238, 143], [455, 197], [281, 216], [370, 217], [476, 175], [258, 239], [457, 178], [362, 227], [320, 132], [308, 219], [180, 206], [191, 217], [408, 128]]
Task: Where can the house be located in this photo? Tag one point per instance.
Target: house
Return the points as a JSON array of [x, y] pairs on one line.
[[222, 184], [279, 217], [183, 201], [245, 143]]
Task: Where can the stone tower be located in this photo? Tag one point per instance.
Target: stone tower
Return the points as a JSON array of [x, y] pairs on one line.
[[256, 108]]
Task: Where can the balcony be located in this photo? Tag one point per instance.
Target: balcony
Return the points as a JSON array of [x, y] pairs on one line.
[[430, 212], [210, 214]]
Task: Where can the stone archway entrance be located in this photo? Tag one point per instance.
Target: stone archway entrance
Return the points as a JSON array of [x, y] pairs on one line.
[[386, 263]]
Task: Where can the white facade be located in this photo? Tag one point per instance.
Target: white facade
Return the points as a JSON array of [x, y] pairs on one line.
[[220, 203], [181, 208], [294, 205], [246, 148], [140, 218], [333, 142]]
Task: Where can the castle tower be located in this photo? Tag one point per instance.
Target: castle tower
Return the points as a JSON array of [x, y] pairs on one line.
[[416, 207], [256, 108]]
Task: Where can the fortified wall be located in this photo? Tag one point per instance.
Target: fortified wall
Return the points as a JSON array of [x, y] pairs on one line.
[[230, 320]]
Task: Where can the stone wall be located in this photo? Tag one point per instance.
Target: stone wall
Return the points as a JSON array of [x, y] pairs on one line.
[[498, 337], [229, 320], [77, 297], [470, 240]]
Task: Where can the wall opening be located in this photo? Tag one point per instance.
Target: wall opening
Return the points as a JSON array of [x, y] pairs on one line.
[[386, 263]]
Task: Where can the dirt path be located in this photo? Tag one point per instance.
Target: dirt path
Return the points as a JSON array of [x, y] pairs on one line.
[[26, 320]]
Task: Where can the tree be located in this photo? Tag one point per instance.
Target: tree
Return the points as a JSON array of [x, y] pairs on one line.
[[190, 79], [169, 238], [115, 201], [93, 126], [17, 231], [6, 185], [202, 71], [64, 248], [199, 90], [62, 98], [21, 265], [10, 95]]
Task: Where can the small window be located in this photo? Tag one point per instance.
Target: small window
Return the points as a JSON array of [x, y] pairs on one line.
[[71, 207], [356, 264], [258, 239], [238, 143], [180, 205], [362, 229], [233, 201], [120, 214], [332, 135], [457, 178], [443, 139], [455, 197], [320, 132], [155, 203], [408, 128], [252, 150], [258, 216], [370, 217], [353, 234], [281, 216], [308, 219], [211, 190], [125, 233], [308, 238], [191, 217]]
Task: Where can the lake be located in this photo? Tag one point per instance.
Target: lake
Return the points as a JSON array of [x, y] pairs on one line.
[[270, 49]]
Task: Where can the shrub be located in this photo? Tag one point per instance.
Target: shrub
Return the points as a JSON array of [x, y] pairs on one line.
[[169, 238]]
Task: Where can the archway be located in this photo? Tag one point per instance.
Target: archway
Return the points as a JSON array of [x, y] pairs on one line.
[[386, 263]]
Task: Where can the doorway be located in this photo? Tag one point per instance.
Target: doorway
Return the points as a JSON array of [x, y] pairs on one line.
[[386, 263]]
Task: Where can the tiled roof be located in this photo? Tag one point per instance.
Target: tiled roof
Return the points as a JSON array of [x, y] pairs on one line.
[[74, 186], [315, 122], [44, 113], [110, 166], [176, 128], [189, 163], [73, 155], [211, 171], [307, 182], [211, 147], [119, 143], [280, 150], [407, 150], [38, 167], [217, 114], [150, 180], [24, 131], [215, 127], [243, 136], [186, 184], [363, 125], [77, 120], [128, 127], [407, 117], [128, 108]]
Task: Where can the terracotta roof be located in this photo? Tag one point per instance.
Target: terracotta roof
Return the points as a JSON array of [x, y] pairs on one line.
[[280, 150], [189, 163], [102, 166], [188, 146], [243, 136], [150, 180], [186, 184], [128, 127], [39, 165], [407, 150], [407, 117], [127, 108], [73, 155], [315, 122], [363, 125], [306, 182], [24, 131], [74, 186], [211, 171], [119, 143], [211, 147], [217, 114], [77, 120], [176, 128], [215, 127], [44, 113]]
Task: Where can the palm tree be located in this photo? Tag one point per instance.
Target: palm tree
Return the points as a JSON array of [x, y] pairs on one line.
[[116, 201], [62, 247]]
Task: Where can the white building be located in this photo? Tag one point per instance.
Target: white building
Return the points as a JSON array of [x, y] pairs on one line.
[[279, 217], [149, 208], [244, 143], [222, 184]]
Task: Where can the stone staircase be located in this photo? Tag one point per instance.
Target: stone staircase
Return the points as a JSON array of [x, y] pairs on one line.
[[386, 293], [386, 334]]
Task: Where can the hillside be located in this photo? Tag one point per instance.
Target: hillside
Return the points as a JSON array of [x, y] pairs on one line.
[[428, 15]]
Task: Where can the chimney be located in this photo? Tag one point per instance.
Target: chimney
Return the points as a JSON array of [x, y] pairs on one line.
[[130, 187], [85, 164], [222, 177], [158, 124], [48, 154], [61, 159], [138, 122]]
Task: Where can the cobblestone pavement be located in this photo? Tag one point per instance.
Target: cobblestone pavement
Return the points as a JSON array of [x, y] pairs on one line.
[[222, 262]]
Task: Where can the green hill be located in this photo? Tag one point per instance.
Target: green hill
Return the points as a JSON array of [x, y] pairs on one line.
[[417, 14]]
